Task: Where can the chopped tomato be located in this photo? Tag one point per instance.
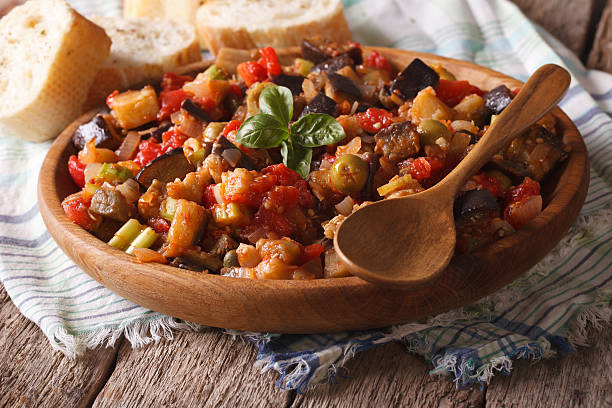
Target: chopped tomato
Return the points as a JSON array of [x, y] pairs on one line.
[[375, 60], [231, 126], [310, 252], [209, 196], [206, 103], [271, 61], [160, 225], [374, 119], [251, 72], [171, 140], [273, 221], [77, 171], [171, 82], [523, 191], [281, 198], [170, 102], [520, 213], [306, 199], [452, 92], [147, 151], [77, 212], [419, 168], [490, 183], [235, 90], [286, 176]]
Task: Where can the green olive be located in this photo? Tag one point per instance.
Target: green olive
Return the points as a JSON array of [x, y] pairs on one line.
[[431, 130], [349, 173], [230, 260], [504, 181]]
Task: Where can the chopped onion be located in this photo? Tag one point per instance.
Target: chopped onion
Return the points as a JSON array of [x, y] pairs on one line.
[[539, 152], [521, 214], [345, 207], [218, 195], [232, 156], [354, 107], [130, 190], [91, 171], [257, 235], [190, 126], [145, 255], [129, 146]]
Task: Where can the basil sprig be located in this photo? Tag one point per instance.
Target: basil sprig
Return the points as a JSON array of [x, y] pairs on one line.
[[270, 128]]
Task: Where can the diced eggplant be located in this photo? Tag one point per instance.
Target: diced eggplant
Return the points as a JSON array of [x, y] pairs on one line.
[[156, 132], [497, 99], [474, 138], [340, 83], [197, 261], [362, 107], [111, 204], [107, 229], [195, 111], [356, 55], [413, 78], [312, 52], [333, 64], [98, 128], [369, 192], [398, 141], [184, 263], [515, 170], [321, 104], [223, 144], [474, 205], [222, 245], [293, 82], [165, 168]]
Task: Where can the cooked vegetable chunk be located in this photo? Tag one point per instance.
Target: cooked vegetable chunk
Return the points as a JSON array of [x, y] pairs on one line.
[[134, 108], [166, 167], [111, 204], [398, 141], [413, 78], [189, 222], [96, 128]]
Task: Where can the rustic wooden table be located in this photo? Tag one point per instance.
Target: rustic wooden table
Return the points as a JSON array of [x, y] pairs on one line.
[[213, 369]]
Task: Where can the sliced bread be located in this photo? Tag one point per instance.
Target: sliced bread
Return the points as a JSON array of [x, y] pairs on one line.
[[177, 10], [142, 50], [277, 23], [49, 56]]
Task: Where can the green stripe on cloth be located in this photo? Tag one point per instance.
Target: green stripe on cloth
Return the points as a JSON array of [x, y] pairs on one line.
[[540, 315]]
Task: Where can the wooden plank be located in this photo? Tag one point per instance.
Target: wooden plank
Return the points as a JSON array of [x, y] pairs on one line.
[[33, 374], [389, 376], [600, 56], [582, 379], [208, 368], [567, 20]]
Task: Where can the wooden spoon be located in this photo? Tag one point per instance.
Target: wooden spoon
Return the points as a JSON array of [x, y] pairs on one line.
[[408, 241]]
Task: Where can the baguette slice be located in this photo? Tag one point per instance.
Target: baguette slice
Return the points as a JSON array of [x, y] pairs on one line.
[[49, 56], [142, 50], [177, 10], [255, 23]]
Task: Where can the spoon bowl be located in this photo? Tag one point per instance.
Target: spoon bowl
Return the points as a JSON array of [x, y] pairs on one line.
[[408, 241]]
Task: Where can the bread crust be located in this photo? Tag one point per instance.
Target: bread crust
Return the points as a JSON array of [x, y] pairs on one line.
[[83, 49], [115, 77], [333, 27]]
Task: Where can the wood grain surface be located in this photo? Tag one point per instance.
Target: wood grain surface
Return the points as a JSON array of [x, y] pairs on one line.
[[211, 369], [320, 305]]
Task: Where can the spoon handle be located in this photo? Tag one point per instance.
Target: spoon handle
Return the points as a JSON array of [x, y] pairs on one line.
[[540, 93]]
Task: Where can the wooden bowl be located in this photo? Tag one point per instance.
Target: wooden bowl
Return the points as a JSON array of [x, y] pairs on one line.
[[322, 305]]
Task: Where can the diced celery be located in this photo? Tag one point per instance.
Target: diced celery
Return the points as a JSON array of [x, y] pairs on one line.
[[126, 234], [168, 208], [144, 240], [197, 157], [231, 214], [395, 184], [214, 72], [113, 172], [303, 66]]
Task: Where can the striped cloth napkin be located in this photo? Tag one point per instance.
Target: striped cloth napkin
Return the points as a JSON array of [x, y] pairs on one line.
[[544, 313]]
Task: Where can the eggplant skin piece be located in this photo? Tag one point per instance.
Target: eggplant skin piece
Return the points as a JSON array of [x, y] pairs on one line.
[[165, 168], [497, 99], [321, 104], [157, 132], [222, 144], [475, 204], [398, 141], [98, 128], [413, 78], [333, 64], [195, 111], [340, 83], [293, 82], [312, 52]]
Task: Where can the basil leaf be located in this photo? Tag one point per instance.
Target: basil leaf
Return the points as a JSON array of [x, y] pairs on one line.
[[296, 157], [262, 131], [278, 102], [317, 129]]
